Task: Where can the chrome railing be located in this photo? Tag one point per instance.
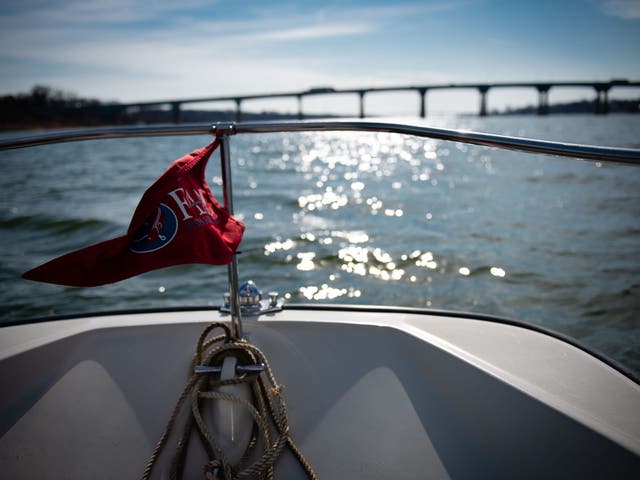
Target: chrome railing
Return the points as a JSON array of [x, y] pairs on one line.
[[561, 149]]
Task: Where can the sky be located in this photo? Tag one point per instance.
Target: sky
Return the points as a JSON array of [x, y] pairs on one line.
[[117, 50]]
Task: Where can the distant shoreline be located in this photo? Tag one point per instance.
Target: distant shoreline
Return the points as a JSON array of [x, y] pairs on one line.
[[580, 106]]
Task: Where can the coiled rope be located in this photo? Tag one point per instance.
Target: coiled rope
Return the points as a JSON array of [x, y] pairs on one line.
[[268, 409]]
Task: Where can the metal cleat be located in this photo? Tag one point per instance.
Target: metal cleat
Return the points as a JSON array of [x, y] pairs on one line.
[[251, 301]]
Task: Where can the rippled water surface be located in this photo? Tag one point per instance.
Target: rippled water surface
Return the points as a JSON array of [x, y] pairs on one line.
[[357, 218]]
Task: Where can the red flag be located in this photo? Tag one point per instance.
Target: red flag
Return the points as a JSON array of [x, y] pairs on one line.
[[177, 221]]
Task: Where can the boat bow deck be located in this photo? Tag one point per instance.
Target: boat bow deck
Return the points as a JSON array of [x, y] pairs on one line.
[[370, 395]]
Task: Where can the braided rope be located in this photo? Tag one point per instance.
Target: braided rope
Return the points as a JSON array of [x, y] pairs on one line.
[[268, 410]]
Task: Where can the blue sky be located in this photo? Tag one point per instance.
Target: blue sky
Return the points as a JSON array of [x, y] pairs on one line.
[[149, 50]]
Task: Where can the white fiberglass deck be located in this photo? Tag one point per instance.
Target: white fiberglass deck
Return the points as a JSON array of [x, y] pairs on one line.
[[370, 395]]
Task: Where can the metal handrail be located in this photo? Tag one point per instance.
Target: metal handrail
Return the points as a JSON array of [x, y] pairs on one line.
[[586, 152]]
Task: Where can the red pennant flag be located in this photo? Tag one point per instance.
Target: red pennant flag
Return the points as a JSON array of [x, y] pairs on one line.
[[177, 221]]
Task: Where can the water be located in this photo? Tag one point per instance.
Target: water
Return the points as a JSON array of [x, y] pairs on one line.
[[362, 219]]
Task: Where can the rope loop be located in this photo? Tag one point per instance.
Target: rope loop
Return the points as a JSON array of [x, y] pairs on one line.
[[270, 432]]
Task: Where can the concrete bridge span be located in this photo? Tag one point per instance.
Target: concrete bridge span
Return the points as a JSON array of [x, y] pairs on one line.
[[601, 100]]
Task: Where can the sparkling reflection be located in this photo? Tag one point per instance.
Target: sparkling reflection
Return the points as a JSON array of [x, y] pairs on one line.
[[497, 272], [272, 247], [426, 260], [348, 180], [317, 201], [306, 261], [325, 292]]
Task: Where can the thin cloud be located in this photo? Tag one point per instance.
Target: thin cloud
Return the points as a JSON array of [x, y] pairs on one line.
[[315, 31], [70, 13], [627, 9]]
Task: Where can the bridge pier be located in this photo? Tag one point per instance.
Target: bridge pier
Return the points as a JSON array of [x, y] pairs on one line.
[[177, 114], [601, 104], [361, 94], [483, 89], [423, 102], [543, 99], [300, 113], [238, 110]]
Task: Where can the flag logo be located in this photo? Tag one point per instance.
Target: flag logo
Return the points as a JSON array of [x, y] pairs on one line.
[[156, 232]]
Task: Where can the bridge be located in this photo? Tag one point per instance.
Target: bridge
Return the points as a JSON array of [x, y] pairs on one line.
[[601, 101]]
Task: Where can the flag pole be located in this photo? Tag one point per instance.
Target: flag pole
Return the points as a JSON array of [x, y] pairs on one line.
[[223, 130]]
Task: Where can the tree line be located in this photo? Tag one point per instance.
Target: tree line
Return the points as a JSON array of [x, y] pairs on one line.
[[45, 107]]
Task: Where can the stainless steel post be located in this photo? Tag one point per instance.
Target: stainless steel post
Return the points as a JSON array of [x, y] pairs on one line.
[[234, 303]]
